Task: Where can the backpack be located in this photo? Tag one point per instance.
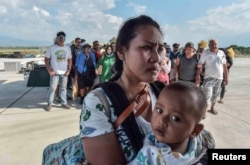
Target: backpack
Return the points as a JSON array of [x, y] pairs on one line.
[[120, 102], [157, 86]]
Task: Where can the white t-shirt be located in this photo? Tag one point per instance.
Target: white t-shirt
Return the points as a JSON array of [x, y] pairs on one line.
[[59, 58], [213, 63]]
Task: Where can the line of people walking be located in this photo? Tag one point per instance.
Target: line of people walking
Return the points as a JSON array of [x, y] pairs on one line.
[[206, 68], [81, 66], [147, 122]]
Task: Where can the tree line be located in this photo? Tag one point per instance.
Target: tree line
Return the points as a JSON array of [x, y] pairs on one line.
[[240, 50]]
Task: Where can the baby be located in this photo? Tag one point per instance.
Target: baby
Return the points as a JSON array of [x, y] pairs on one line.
[[175, 124]]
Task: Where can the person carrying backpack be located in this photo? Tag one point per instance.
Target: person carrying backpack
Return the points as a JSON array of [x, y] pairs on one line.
[[229, 60]]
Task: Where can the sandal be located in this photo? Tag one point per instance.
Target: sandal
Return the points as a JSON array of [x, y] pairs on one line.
[[213, 112], [221, 101], [204, 116]]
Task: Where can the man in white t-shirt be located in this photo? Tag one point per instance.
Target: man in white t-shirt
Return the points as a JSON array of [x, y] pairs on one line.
[[58, 61], [214, 61]]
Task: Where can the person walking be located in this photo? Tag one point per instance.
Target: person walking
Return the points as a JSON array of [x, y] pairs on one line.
[[229, 65], [58, 61], [105, 64], [201, 47], [215, 72], [86, 71], [186, 65], [173, 57], [165, 64]]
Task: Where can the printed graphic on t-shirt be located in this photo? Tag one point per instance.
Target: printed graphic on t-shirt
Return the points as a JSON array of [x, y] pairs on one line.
[[78, 52], [60, 55]]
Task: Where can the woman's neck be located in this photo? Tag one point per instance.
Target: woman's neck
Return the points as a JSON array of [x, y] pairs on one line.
[[131, 87], [188, 56]]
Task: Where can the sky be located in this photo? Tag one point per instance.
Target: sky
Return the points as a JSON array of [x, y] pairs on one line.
[[181, 21]]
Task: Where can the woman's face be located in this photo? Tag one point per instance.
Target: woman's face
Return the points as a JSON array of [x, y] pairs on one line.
[[109, 50], [189, 51], [87, 50], [141, 61]]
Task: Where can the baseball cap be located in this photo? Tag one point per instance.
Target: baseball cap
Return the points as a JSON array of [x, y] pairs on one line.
[[189, 44], [176, 45], [86, 45], [61, 33]]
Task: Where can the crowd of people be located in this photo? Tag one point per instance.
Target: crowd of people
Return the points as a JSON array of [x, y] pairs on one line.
[[157, 97], [80, 65]]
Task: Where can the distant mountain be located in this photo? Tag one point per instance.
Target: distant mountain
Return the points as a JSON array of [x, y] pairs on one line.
[[9, 41]]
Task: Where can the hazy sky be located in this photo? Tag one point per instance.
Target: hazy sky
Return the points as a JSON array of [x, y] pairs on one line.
[[181, 20]]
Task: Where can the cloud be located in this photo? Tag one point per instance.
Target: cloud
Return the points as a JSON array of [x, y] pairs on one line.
[[233, 18], [94, 20], [229, 24], [139, 9], [41, 11], [3, 10], [10, 3], [41, 20]]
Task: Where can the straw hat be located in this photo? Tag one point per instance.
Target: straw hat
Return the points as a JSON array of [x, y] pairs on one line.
[[230, 52], [202, 44]]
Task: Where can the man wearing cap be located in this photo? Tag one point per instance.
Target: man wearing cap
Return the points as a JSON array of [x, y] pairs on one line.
[[58, 61], [186, 65], [215, 72], [96, 50], [86, 71], [201, 47], [173, 57], [76, 49]]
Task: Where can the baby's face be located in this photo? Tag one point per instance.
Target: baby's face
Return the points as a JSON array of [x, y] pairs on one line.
[[172, 119]]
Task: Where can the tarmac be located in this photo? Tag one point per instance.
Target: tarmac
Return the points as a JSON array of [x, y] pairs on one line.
[[26, 128]]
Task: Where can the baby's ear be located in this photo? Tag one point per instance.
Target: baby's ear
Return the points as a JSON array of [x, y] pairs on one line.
[[197, 129]]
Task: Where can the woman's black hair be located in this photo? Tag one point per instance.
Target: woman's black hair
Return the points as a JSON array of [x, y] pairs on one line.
[[126, 33], [109, 46]]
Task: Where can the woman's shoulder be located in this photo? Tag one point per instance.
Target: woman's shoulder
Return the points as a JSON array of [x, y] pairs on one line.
[[93, 119]]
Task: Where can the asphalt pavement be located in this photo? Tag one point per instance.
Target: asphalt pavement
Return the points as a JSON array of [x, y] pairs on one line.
[[26, 128]]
